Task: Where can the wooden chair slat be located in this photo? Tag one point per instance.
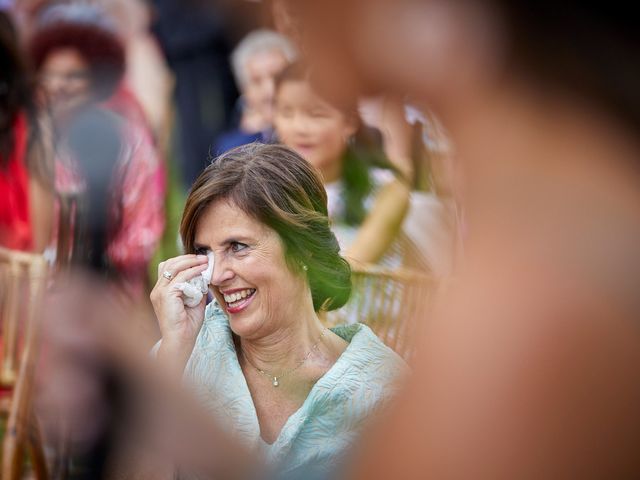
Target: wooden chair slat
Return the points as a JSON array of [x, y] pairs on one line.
[[387, 300], [23, 277]]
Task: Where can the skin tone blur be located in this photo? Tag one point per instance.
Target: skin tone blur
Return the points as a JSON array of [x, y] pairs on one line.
[[261, 69], [41, 196], [65, 79], [319, 133], [529, 361], [42, 213], [269, 306], [147, 73], [89, 349]]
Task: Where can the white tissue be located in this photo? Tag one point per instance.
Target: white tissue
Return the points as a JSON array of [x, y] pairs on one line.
[[197, 287]]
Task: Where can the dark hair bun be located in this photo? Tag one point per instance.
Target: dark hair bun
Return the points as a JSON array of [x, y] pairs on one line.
[[330, 282]]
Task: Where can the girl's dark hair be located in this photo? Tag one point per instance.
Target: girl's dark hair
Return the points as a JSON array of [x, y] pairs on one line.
[[276, 186], [16, 98], [96, 44], [363, 152]]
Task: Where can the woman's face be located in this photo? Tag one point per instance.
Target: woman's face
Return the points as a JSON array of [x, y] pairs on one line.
[[310, 126], [66, 81], [251, 279]]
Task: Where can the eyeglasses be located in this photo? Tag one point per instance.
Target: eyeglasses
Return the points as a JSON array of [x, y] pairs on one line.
[[73, 76]]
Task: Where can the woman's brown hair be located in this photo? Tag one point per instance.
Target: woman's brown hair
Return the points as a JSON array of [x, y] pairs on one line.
[[276, 186]]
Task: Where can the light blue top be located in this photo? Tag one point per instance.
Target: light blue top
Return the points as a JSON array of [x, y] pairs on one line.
[[318, 434]]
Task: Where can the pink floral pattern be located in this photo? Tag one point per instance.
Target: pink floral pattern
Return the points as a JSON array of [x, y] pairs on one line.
[[140, 202]]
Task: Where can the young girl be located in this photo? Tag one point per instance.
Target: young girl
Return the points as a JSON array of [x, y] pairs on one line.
[[367, 202]]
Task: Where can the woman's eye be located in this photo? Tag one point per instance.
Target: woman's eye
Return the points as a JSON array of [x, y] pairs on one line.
[[202, 251], [237, 247], [318, 111]]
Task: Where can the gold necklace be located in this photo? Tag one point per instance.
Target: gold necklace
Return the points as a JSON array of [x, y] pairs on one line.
[[274, 378]]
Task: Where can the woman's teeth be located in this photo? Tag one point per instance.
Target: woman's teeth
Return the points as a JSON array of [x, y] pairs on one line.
[[234, 297]]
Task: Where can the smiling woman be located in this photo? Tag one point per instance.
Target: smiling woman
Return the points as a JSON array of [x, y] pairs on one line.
[[276, 188], [260, 356]]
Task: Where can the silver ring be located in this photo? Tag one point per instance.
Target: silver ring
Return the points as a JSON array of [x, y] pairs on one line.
[[168, 275]]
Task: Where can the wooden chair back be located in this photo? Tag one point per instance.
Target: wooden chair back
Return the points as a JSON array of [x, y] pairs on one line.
[[23, 279], [68, 228], [389, 301]]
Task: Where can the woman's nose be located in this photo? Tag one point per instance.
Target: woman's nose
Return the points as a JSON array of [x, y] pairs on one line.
[[53, 83], [299, 124], [222, 272], [270, 89]]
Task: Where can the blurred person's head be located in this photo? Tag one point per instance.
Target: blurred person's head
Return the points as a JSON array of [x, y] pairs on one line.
[[256, 61], [78, 57], [452, 53], [486, 66], [319, 131], [263, 210]]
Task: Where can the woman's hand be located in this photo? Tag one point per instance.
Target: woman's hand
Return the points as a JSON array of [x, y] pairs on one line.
[[179, 324]]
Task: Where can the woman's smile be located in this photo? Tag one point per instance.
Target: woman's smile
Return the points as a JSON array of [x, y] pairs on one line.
[[237, 300], [304, 149]]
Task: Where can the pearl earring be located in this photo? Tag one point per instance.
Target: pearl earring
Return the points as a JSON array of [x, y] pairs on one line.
[[304, 267]]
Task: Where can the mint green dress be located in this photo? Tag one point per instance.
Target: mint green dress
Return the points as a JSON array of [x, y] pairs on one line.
[[321, 431]]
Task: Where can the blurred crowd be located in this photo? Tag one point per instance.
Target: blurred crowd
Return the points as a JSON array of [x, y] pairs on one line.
[[466, 142], [115, 107], [112, 108]]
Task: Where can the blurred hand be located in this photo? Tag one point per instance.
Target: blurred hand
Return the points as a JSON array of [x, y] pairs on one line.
[[397, 133]]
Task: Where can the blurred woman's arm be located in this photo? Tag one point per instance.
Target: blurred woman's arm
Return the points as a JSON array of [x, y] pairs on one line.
[[381, 225], [41, 182], [41, 211], [397, 136]]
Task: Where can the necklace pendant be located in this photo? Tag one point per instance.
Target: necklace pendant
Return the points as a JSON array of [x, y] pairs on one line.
[[275, 381]]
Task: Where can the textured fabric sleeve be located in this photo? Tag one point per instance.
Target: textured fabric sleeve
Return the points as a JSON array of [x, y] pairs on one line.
[[142, 203]]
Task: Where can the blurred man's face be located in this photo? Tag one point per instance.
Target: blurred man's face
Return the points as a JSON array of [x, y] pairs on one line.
[[66, 80], [261, 70]]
